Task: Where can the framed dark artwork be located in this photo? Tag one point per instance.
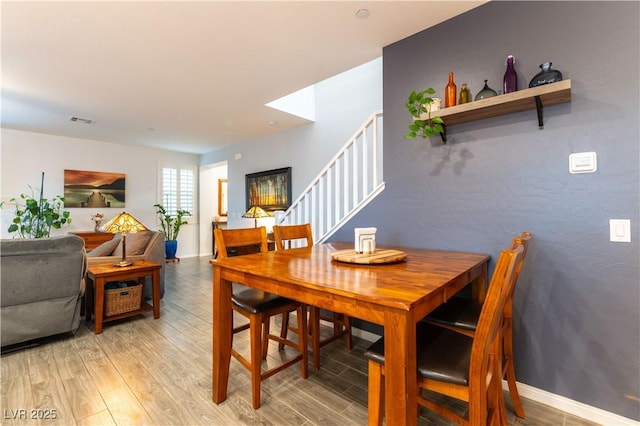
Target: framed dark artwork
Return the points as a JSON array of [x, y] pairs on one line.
[[93, 189], [270, 189]]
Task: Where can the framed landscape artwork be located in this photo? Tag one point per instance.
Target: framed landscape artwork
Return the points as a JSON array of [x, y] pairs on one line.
[[270, 189], [93, 189]]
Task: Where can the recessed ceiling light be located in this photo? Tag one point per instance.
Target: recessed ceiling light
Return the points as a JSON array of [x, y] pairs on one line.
[[272, 122], [362, 13]]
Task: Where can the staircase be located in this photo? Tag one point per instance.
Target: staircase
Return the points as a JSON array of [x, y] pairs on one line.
[[348, 183]]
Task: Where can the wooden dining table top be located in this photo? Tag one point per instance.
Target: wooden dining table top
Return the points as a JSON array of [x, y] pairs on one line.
[[394, 295], [398, 285]]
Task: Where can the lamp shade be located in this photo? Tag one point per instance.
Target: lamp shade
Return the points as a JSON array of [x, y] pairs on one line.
[[124, 222], [255, 212]]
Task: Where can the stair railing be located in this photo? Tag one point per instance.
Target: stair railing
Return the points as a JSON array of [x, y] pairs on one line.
[[344, 186]]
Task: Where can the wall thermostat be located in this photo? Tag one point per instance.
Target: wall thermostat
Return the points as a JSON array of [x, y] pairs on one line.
[[583, 162]]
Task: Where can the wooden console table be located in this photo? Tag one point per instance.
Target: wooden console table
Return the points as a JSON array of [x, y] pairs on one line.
[[99, 275], [93, 239]]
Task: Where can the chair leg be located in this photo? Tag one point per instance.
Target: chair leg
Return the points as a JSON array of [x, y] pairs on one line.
[[303, 332], [266, 329], [255, 330], [284, 329], [376, 394], [314, 326], [347, 325], [490, 408], [509, 369]]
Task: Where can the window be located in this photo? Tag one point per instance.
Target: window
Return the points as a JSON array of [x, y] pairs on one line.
[[178, 189]]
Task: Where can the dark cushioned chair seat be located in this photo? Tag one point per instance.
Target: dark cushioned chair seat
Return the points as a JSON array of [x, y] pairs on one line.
[[459, 312], [435, 348], [256, 301]]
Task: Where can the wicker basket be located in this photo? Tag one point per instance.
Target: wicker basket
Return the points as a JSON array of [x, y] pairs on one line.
[[120, 300]]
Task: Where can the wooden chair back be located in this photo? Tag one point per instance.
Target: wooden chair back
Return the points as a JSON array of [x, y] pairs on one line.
[[485, 367], [289, 233], [523, 241], [253, 240]]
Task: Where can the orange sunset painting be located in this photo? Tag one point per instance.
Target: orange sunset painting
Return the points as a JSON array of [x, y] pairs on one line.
[[93, 189]]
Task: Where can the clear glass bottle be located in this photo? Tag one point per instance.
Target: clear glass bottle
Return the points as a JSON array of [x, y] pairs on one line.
[[510, 80], [465, 94], [450, 92], [546, 76]]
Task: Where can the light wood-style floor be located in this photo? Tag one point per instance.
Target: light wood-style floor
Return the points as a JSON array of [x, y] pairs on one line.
[[158, 372]]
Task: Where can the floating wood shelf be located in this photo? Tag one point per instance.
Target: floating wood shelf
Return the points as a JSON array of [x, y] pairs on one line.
[[522, 100]]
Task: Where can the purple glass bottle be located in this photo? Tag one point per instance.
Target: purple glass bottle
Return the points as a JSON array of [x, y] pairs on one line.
[[510, 80]]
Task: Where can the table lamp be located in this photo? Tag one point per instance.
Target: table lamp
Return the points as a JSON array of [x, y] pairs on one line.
[[124, 222], [256, 213]]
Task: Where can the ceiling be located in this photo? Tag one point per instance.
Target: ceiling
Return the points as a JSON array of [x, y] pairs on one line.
[[185, 76]]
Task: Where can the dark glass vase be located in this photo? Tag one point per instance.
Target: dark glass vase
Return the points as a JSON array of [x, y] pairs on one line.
[[486, 92], [510, 80], [546, 76]]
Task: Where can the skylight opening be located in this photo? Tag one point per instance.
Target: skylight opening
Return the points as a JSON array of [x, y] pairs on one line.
[[301, 103]]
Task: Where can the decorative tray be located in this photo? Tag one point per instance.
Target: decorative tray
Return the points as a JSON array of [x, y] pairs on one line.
[[378, 256]]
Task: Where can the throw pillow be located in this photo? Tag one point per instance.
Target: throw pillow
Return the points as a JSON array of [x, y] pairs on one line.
[[104, 249], [136, 243]]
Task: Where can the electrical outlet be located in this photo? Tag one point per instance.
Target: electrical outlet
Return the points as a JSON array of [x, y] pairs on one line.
[[620, 230]]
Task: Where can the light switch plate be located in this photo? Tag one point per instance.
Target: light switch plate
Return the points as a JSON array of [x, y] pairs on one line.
[[620, 230], [583, 162]]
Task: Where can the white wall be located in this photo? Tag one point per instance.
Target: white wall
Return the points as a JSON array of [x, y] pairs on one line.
[[25, 155], [209, 176]]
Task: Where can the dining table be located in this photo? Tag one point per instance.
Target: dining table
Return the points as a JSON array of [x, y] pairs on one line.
[[395, 295]]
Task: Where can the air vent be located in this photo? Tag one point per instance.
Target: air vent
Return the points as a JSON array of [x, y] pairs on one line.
[[82, 120]]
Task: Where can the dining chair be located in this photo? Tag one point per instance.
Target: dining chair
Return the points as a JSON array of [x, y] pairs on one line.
[[455, 365], [462, 315], [290, 236], [258, 307]]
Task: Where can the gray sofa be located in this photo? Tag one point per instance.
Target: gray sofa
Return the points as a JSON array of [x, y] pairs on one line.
[[147, 245], [42, 285]]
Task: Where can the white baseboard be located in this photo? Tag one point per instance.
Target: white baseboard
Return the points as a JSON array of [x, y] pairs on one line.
[[558, 402], [576, 408]]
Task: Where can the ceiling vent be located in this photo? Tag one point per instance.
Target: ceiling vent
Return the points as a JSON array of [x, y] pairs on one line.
[[82, 120]]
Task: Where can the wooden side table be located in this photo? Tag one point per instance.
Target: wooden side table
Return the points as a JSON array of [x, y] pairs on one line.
[[93, 239], [99, 275]]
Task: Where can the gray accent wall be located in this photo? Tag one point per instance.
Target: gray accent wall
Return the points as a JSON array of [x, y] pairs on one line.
[[577, 303]]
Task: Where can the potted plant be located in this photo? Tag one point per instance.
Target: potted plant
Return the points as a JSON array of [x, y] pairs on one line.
[[170, 227], [418, 104], [34, 217]]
